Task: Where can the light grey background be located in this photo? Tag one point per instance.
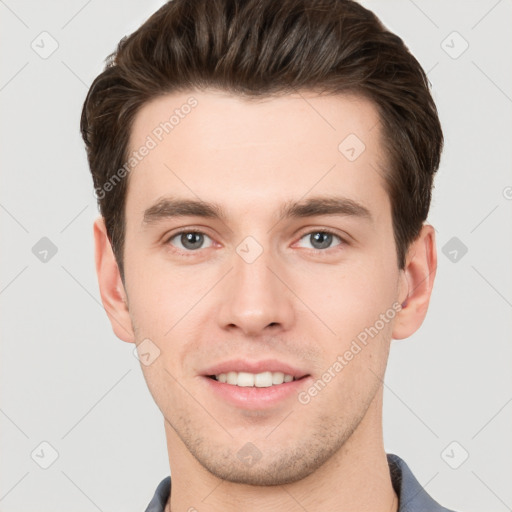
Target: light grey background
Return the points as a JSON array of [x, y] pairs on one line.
[[68, 381]]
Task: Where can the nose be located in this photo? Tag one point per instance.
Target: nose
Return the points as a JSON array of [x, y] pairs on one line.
[[256, 299]]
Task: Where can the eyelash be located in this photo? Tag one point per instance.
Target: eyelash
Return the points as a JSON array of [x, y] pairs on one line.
[[197, 231]]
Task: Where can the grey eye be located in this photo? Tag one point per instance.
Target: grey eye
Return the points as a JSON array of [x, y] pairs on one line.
[[189, 240], [320, 239]]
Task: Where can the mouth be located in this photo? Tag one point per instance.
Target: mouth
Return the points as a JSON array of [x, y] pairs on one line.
[[245, 380], [254, 385], [265, 379]]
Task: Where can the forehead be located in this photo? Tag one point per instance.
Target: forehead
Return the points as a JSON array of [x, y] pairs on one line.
[[248, 153]]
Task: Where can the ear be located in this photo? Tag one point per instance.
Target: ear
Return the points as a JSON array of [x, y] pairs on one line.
[[416, 283], [113, 294]]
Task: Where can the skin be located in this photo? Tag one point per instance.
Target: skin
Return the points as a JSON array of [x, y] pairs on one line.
[[295, 303]]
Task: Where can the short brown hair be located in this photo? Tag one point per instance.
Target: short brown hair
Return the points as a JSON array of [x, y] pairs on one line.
[[258, 48]]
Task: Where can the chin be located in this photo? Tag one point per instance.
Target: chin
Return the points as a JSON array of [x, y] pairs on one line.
[[261, 475], [272, 466]]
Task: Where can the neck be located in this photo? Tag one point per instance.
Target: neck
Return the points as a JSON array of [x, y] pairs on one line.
[[356, 477]]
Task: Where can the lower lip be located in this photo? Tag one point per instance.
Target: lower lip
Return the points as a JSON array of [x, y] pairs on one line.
[[253, 397]]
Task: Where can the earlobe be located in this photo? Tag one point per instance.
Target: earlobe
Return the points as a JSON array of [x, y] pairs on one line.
[[112, 291], [417, 281]]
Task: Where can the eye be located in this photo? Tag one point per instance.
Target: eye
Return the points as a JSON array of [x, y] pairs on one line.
[[321, 239], [189, 240]]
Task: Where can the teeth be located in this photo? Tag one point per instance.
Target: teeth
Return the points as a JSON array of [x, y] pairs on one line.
[[262, 380], [245, 380], [259, 380], [277, 378]]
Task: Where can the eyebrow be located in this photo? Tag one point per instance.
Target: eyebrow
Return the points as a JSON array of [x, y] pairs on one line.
[[168, 207]]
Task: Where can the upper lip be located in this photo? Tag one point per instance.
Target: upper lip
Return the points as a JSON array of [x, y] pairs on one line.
[[244, 365]]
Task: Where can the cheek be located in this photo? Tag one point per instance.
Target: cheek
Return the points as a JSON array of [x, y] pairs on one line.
[[349, 298], [158, 295], [170, 306]]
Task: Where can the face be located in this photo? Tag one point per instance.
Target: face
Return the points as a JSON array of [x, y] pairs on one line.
[[259, 248]]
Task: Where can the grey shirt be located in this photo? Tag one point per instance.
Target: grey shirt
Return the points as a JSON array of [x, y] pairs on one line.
[[412, 496]]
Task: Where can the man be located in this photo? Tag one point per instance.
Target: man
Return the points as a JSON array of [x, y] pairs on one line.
[[264, 171]]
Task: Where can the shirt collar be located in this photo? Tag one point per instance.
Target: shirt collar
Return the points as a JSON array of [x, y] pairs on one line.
[[411, 494]]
